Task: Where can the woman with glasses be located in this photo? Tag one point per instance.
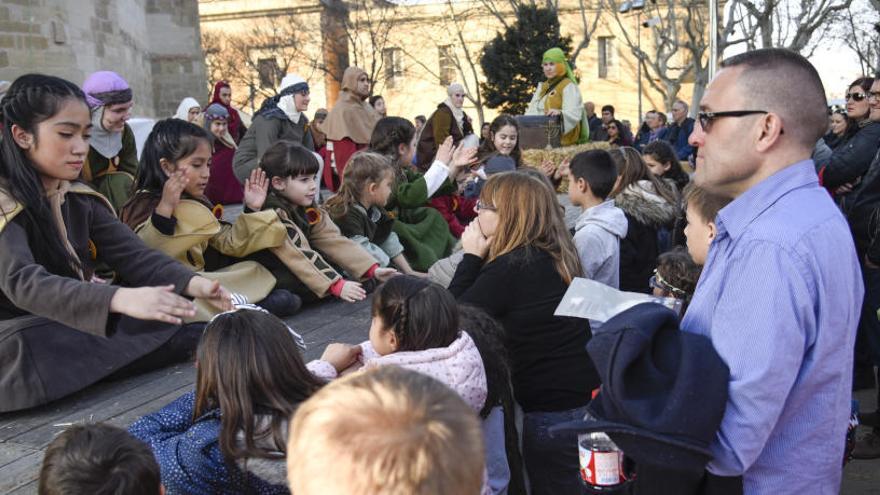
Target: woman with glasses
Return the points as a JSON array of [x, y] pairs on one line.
[[519, 260], [617, 134], [852, 157]]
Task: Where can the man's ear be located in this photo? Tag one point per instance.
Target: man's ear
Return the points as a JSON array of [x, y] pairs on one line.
[[22, 138], [582, 185]]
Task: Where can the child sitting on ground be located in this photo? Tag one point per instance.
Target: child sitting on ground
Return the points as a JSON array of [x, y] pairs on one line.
[[701, 208], [389, 430], [422, 230], [416, 326], [358, 208], [601, 226], [98, 458], [230, 435], [170, 213], [676, 276], [306, 262]]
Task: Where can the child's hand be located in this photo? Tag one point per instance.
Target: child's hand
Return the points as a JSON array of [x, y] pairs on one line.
[[352, 292], [473, 241], [444, 152], [255, 188], [174, 186], [462, 157], [548, 168], [341, 356], [384, 274], [562, 169]]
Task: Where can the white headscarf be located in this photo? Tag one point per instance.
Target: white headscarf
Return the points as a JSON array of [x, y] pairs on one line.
[[286, 102], [183, 109], [458, 113]]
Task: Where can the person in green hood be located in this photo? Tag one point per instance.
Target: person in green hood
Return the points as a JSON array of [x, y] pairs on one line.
[[560, 95]]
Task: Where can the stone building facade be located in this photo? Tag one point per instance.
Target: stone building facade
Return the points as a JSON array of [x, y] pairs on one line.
[[415, 56], [154, 44]]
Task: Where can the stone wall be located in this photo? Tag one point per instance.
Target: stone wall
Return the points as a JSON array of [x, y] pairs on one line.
[[154, 44]]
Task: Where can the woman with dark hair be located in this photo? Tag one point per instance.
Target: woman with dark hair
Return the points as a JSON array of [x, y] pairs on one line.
[[230, 434], [618, 135], [662, 161], [840, 128], [378, 104], [851, 158], [62, 329]]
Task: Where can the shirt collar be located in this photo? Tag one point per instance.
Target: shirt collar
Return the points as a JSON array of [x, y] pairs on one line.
[[736, 216]]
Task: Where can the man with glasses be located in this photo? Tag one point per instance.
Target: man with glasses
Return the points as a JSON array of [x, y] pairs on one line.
[[864, 219], [780, 293], [679, 131]]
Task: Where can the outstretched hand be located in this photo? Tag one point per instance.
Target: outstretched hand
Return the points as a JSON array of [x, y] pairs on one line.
[[255, 189], [152, 303], [352, 292], [444, 152], [385, 274], [211, 291]]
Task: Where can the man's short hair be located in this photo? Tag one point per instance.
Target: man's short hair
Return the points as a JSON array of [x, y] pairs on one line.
[[706, 204], [682, 103], [784, 82], [387, 430], [597, 169], [98, 458], [608, 108]]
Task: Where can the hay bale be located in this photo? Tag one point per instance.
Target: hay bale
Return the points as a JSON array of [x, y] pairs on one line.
[[534, 158]]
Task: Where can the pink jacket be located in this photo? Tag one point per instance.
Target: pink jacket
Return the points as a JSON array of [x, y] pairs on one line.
[[459, 366]]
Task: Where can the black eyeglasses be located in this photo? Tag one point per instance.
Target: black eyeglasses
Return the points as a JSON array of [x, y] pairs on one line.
[[873, 95], [482, 206], [707, 118], [855, 96]]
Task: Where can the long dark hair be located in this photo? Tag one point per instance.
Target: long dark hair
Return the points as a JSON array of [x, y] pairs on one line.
[[663, 152], [487, 147], [389, 134], [171, 139], [31, 100], [421, 314], [249, 364]]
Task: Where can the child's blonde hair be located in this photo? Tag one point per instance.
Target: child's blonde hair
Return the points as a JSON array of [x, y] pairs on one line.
[[706, 204], [363, 168], [387, 430]]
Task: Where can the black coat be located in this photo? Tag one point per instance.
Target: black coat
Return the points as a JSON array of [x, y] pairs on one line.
[[550, 368], [851, 159]]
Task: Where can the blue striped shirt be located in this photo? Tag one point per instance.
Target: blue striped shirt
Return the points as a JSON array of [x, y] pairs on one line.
[[780, 297]]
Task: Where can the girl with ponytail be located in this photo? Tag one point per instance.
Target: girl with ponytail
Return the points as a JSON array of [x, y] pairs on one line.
[[62, 328], [423, 231]]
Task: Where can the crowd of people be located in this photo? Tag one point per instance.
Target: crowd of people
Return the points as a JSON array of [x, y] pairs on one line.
[[467, 382]]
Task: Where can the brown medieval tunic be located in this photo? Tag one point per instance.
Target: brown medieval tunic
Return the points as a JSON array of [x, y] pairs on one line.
[[57, 334]]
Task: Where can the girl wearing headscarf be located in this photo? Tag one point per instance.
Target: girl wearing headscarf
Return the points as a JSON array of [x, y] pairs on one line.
[[280, 118], [448, 120], [223, 96], [112, 162], [560, 95], [349, 125], [223, 187], [188, 110]]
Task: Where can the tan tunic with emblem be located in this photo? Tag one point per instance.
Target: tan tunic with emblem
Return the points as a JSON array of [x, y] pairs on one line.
[[197, 228], [565, 97]]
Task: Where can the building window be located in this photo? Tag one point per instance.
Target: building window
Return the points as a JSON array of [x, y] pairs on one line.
[[607, 58], [392, 60], [447, 65], [268, 69]]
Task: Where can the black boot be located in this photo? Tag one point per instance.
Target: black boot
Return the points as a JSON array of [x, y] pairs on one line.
[[281, 303]]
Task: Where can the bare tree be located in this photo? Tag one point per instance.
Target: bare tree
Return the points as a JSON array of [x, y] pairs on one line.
[[793, 24], [258, 57], [368, 27], [456, 48], [861, 34]]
